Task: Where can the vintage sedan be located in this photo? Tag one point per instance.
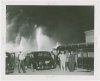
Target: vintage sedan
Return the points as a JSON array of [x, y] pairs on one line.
[[10, 61], [43, 60]]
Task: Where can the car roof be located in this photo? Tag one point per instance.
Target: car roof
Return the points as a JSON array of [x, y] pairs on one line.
[[40, 52]]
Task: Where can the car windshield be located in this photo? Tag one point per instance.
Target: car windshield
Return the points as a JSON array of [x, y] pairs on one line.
[[43, 54]]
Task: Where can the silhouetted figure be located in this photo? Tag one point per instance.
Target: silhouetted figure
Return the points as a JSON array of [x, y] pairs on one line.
[[71, 62], [67, 59], [33, 62], [27, 60]]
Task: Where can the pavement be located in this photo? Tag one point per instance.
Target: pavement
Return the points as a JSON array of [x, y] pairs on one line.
[[55, 71]]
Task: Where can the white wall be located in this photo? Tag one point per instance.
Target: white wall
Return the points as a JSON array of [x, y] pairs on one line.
[[89, 36]]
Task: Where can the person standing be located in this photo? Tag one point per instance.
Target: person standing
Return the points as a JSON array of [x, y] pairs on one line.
[[67, 58], [71, 62], [12, 61], [53, 57], [33, 63], [21, 65], [62, 58], [76, 66]]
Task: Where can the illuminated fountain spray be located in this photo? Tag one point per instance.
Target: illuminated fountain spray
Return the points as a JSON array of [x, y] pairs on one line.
[[44, 42], [38, 37]]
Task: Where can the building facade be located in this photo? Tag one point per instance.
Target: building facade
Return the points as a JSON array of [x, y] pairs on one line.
[[89, 36]]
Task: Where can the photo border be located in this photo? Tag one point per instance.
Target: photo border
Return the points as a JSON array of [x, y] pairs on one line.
[[51, 77]]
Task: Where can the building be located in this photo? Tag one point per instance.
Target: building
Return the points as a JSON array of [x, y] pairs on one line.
[[89, 36], [84, 51]]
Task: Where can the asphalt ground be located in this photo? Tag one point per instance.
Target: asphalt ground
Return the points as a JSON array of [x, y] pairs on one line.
[[55, 71]]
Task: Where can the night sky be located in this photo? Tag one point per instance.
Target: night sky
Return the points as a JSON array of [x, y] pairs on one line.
[[65, 24]]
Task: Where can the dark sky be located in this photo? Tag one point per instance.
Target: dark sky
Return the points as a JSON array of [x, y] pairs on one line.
[[65, 24]]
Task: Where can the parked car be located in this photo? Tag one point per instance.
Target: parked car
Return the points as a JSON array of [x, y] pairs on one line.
[[10, 59], [43, 60]]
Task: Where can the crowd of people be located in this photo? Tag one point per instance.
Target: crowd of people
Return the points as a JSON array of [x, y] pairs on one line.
[[67, 61]]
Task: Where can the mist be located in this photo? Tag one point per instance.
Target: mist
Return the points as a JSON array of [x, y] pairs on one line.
[[32, 42], [63, 24]]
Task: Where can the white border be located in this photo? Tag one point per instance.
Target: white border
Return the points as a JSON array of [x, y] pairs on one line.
[[50, 77]]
